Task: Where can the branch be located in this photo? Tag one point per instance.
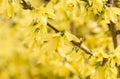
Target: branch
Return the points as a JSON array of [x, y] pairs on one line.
[[112, 26], [78, 44], [113, 31], [26, 5], [56, 30], [118, 32], [73, 29]]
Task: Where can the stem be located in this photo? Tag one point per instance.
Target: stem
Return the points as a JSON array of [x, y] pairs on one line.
[[118, 32], [24, 2], [26, 5], [56, 30], [112, 26], [73, 28], [78, 44], [113, 31]]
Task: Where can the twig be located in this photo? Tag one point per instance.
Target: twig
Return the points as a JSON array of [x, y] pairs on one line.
[[81, 47], [73, 29], [113, 31], [26, 5], [112, 26], [118, 32], [24, 2], [78, 44], [56, 30]]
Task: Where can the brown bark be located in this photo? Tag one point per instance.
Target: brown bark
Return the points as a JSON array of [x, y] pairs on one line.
[[113, 31], [78, 44]]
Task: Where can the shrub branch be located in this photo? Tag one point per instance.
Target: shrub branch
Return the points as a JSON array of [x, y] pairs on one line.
[[114, 32], [112, 26], [78, 44], [26, 5]]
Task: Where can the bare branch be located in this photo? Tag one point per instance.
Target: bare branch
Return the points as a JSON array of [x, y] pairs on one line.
[[118, 32], [113, 31], [73, 28], [26, 5], [78, 44], [112, 26], [56, 30]]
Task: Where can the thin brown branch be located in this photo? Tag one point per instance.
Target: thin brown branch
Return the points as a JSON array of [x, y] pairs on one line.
[[112, 26], [24, 2], [113, 31], [73, 28], [118, 32], [56, 30], [78, 44], [26, 5]]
